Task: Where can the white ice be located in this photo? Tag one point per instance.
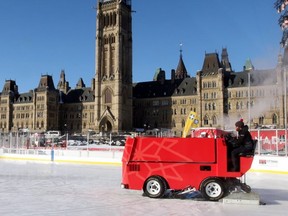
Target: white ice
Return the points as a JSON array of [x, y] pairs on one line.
[[47, 188]]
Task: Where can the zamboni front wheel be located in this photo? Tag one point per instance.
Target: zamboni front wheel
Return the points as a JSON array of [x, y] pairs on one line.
[[155, 187], [212, 189]]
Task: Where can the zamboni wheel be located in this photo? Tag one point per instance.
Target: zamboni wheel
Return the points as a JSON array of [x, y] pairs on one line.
[[155, 187], [212, 189]]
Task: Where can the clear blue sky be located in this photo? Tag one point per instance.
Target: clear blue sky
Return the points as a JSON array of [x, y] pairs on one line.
[[45, 36]]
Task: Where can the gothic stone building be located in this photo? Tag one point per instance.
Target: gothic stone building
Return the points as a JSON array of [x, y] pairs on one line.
[[105, 106], [112, 103], [219, 96]]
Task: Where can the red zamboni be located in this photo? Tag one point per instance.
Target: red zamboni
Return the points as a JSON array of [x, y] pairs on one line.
[[156, 164]]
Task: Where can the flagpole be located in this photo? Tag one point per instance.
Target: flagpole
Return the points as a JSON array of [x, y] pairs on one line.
[[249, 99], [285, 106]]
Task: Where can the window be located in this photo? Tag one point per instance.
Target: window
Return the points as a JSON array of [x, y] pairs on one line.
[[274, 119], [164, 102], [214, 119], [206, 121], [173, 123], [237, 106], [261, 120], [155, 103], [107, 96], [183, 123]]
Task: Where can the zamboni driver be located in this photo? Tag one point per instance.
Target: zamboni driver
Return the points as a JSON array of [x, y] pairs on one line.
[[244, 144]]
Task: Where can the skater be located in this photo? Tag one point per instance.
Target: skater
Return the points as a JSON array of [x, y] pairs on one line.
[[244, 144]]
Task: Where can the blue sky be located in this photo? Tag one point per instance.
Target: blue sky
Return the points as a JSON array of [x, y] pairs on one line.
[[45, 36]]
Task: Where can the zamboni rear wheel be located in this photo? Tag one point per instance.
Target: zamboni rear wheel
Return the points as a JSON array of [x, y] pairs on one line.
[[155, 187], [212, 189]]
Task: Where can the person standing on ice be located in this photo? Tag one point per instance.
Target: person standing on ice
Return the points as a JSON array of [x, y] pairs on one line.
[[244, 144]]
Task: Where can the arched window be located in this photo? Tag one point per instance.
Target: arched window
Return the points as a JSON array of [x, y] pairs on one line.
[[106, 20], [261, 120], [173, 123], [110, 19], [237, 105], [114, 19], [274, 119], [107, 96], [105, 40], [206, 120], [214, 120], [183, 123]]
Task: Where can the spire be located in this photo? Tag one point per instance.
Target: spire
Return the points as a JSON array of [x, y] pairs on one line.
[[248, 65], [181, 71], [225, 60], [62, 84], [80, 84]]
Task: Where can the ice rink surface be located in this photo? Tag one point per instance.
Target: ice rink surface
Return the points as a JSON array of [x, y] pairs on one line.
[[49, 188]]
